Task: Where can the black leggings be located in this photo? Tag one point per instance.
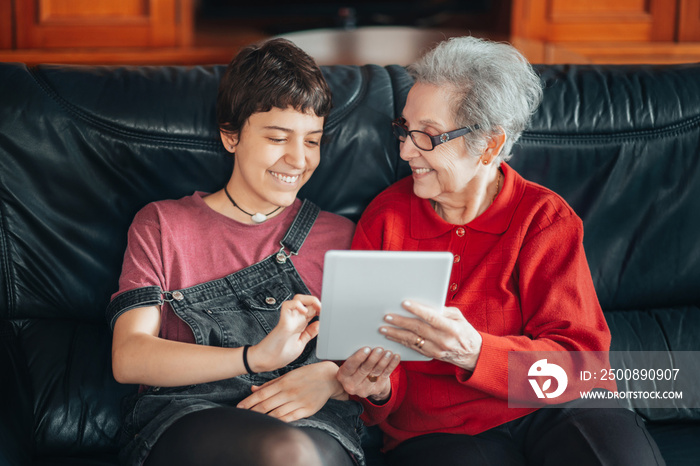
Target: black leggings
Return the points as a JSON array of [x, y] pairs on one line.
[[571, 436], [232, 436]]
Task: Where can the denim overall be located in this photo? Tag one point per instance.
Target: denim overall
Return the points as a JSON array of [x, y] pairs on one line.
[[239, 309]]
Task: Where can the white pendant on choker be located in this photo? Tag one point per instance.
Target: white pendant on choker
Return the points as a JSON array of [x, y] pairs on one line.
[[257, 217]]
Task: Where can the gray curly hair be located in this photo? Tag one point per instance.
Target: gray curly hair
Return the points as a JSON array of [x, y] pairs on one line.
[[493, 86]]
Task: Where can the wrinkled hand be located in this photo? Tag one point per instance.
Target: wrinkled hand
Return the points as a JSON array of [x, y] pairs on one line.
[[297, 394], [366, 373], [289, 337], [442, 334]]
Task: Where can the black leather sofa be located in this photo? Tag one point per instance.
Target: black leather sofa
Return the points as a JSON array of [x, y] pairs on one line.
[[83, 148]]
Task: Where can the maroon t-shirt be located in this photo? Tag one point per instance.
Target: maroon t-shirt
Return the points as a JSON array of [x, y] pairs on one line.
[[176, 244]]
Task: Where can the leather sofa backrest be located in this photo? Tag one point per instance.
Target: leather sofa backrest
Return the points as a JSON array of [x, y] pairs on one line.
[[622, 145], [82, 149]]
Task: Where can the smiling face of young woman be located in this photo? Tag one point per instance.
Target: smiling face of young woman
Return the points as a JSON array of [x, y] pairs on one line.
[[276, 152]]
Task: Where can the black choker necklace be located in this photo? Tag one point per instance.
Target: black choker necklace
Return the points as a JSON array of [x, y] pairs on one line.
[[257, 217]]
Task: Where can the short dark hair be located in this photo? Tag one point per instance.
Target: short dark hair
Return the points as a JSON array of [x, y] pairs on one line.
[[275, 74]]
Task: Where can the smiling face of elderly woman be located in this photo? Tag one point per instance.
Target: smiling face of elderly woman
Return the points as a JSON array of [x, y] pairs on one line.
[[464, 82], [450, 173]]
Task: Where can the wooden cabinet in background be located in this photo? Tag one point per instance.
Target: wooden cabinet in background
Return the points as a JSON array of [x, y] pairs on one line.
[[131, 32], [594, 20], [166, 32], [689, 21], [54, 24], [605, 31], [6, 33]]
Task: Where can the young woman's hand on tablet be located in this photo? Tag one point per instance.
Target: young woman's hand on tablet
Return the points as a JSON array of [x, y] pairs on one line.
[[443, 334], [289, 337], [366, 374]]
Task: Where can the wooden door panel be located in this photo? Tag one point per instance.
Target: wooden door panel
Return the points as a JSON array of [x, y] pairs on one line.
[[594, 20], [689, 21], [597, 7], [81, 10], [6, 26], [90, 23]]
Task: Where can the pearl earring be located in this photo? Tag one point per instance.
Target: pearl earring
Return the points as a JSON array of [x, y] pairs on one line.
[[485, 162]]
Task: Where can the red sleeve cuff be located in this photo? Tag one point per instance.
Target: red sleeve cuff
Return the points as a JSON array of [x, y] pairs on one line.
[[377, 413], [491, 372]]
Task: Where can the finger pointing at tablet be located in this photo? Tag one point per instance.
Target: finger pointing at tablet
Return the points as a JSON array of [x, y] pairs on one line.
[[289, 337]]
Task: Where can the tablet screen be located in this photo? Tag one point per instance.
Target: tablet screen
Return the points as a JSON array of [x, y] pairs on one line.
[[361, 287]]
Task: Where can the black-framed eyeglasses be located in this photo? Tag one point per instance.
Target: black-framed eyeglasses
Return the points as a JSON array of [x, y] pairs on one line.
[[423, 140]]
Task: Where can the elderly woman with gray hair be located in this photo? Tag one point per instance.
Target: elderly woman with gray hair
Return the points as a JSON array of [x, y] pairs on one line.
[[520, 282]]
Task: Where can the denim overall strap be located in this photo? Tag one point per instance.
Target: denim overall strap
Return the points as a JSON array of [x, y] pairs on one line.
[[297, 233], [153, 295]]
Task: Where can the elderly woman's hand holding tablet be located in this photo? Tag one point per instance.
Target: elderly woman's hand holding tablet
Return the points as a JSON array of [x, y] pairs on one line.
[[443, 334], [520, 284]]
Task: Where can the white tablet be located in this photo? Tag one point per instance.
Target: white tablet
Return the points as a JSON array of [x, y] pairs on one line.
[[361, 287]]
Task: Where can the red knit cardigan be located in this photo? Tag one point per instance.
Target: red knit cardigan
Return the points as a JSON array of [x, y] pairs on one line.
[[520, 277]]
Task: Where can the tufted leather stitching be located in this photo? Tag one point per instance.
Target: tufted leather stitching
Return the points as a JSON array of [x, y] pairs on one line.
[[672, 130], [340, 112], [110, 127]]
